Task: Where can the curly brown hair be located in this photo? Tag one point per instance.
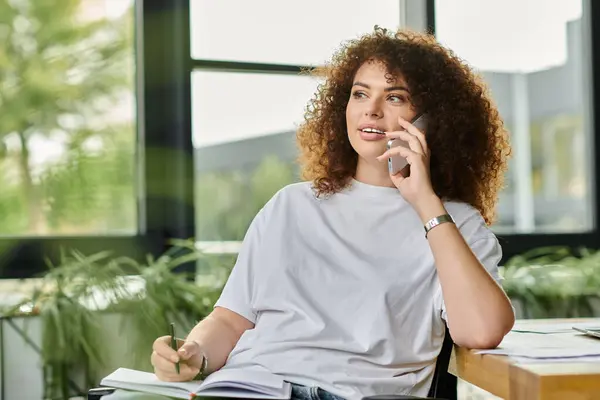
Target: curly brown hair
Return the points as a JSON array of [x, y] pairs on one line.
[[468, 142]]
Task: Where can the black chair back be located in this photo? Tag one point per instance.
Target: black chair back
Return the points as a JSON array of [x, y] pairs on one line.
[[444, 383]]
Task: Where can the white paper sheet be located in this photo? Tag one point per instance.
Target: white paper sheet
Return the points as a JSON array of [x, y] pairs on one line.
[[545, 352], [558, 327], [556, 347]]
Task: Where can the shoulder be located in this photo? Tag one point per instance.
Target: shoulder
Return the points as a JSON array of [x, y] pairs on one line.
[[295, 194], [296, 190], [284, 207], [469, 221]]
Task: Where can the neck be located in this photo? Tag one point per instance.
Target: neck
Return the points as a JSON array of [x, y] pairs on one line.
[[375, 174]]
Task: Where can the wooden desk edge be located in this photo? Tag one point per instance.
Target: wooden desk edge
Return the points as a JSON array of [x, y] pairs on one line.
[[463, 363], [504, 378]]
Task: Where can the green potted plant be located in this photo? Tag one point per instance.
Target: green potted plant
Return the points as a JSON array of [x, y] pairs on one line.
[[166, 297], [555, 282], [95, 306]]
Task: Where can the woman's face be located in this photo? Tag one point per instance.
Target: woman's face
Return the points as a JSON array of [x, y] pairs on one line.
[[375, 104]]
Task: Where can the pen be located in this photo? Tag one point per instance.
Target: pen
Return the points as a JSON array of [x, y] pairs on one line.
[[174, 344]]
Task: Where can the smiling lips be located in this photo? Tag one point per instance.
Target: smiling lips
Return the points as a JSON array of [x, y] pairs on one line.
[[371, 133]]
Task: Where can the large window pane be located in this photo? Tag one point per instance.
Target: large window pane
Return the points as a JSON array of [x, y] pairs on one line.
[[244, 135], [283, 32], [538, 76], [67, 131]]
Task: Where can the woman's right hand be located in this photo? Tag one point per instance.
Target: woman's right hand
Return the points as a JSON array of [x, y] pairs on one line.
[[189, 355]]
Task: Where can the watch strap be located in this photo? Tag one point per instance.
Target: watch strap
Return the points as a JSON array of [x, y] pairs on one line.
[[433, 222]]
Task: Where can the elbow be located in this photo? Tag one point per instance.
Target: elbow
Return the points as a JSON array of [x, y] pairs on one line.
[[482, 342], [488, 338]]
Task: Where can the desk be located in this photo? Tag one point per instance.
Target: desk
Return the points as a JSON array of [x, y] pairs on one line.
[[543, 381]]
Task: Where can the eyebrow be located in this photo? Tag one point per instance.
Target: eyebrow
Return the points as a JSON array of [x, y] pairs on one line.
[[387, 89]]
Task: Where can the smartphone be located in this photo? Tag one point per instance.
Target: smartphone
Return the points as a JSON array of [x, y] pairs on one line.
[[397, 163]]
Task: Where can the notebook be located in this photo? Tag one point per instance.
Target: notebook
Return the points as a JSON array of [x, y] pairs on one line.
[[222, 383]]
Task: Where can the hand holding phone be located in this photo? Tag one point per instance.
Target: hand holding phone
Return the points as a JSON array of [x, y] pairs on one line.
[[397, 163]]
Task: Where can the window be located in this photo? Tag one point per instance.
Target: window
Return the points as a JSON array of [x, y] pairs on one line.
[[282, 32], [68, 126], [243, 132], [539, 76], [83, 122], [129, 140]]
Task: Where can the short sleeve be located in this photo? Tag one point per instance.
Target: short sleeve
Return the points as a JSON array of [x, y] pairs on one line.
[[489, 253], [237, 295]]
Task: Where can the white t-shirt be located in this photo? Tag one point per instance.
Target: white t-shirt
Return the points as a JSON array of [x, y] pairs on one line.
[[343, 290]]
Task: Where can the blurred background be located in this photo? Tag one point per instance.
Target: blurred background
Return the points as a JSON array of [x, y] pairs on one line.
[[125, 124]]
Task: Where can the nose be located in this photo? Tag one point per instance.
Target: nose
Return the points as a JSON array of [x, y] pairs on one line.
[[374, 110]]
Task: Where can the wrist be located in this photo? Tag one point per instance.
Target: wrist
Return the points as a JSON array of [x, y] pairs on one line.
[[429, 208]]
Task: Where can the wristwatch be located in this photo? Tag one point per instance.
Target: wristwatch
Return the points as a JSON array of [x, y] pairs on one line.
[[204, 365], [200, 375], [433, 222]]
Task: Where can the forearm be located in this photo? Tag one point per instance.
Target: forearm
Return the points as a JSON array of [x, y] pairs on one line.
[[217, 338], [479, 312]]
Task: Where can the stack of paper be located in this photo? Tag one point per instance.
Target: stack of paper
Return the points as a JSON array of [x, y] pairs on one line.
[[549, 328], [545, 342]]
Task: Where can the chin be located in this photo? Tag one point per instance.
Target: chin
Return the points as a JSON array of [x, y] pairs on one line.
[[368, 150], [370, 155]]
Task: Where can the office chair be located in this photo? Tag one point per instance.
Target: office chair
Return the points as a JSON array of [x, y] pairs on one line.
[[443, 385]]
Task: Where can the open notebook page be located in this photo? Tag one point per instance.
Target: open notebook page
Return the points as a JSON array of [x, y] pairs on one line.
[[226, 383], [125, 378]]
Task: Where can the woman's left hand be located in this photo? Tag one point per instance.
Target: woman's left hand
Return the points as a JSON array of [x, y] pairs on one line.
[[417, 187]]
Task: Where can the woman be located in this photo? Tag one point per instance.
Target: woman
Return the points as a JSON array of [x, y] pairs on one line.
[[337, 287]]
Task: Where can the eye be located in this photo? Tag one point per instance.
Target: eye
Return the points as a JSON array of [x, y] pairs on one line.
[[396, 98], [359, 94]]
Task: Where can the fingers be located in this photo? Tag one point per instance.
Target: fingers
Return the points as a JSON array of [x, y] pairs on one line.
[[163, 359], [410, 155], [162, 346], [410, 128], [188, 350], [165, 369], [414, 143]]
